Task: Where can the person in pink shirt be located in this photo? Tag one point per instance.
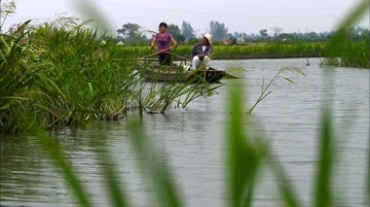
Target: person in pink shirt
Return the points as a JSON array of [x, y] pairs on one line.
[[163, 40]]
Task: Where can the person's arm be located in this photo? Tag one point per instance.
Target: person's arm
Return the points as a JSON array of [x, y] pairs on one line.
[[152, 44], [197, 51], [174, 41], [209, 50], [194, 51], [201, 53]]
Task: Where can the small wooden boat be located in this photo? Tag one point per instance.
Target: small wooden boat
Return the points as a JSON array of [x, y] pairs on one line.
[[210, 75], [181, 73]]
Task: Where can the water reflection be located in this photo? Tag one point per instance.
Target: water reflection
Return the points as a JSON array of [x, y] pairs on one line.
[[26, 175]]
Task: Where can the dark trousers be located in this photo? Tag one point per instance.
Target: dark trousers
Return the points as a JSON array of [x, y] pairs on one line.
[[164, 59]]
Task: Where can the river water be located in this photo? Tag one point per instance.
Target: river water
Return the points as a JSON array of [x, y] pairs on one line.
[[193, 142]]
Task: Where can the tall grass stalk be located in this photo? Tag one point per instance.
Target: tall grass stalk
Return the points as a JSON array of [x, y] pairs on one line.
[[367, 181], [116, 193], [289, 195], [265, 89], [324, 177], [14, 77], [7, 8], [244, 156], [341, 50], [56, 153], [159, 173], [160, 177]]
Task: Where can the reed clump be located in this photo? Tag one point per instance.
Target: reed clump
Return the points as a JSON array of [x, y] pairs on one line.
[[344, 50], [65, 74]]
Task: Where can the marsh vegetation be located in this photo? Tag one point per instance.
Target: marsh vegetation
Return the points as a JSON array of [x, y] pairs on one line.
[[63, 74]]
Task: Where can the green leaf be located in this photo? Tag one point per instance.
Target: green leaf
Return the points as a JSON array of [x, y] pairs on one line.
[[287, 79], [148, 158], [244, 158], [5, 107], [91, 91], [323, 184], [288, 193], [60, 160]]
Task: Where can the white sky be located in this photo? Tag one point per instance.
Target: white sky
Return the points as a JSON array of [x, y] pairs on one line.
[[238, 15]]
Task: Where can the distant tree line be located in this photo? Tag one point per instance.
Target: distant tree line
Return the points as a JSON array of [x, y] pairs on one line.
[[353, 34], [134, 34]]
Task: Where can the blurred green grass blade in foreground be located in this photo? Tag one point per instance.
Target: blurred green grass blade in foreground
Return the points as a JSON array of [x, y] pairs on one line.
[[111, 178], [60, 160], [341, 50], [156, 166], [325, 157], [286, 189], [244, 158], [89, 10]]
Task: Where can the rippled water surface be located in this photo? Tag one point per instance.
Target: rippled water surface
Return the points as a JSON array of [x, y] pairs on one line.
[[193, 142]]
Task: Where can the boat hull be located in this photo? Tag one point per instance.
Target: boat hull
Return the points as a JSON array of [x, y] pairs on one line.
[[209, 75]]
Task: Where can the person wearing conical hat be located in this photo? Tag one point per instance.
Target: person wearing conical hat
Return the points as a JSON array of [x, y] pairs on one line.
[[201, 52]]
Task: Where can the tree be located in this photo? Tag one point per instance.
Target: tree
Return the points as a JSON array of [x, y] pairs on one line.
[[187, 30], [312, 36], [176, 32], [240, 35], [263, 33], [285, 36], [277, 30], [129, 30], [218, 30], [130, 33]]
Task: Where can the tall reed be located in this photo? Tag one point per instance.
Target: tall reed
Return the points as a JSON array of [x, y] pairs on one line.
[[66, 74], [342, 50]]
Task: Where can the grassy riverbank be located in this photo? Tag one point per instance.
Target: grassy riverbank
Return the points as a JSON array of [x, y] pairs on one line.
[[251, 51], [352, 54]]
